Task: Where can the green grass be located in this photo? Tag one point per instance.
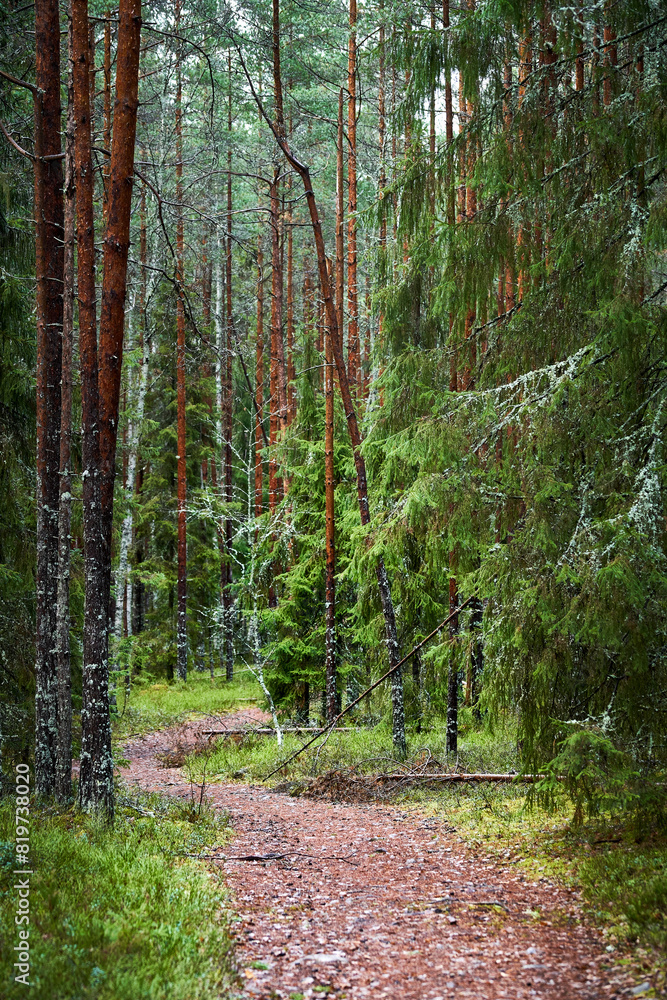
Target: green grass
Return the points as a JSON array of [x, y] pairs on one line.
[[156, 704], [118, 914], [368, 750]]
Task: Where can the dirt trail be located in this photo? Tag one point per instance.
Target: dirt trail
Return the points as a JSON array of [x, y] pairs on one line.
[[408, 913]]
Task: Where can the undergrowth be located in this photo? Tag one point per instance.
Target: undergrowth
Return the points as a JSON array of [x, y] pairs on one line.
[[122, 913], [367, 750], [155, 705]]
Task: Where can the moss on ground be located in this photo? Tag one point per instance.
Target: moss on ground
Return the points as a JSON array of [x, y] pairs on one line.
[[122, 913]]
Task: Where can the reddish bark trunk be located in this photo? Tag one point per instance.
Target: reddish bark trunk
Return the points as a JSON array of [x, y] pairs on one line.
[[340, 248], [93, 776], [107, 104], [274, 405], [291, 386], [610, 61], [330, 545], [96, 774], [259, 382], [354, 367], [206, 367], [579, 65]]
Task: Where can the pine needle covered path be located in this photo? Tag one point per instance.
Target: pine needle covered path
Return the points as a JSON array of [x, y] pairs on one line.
[[367, 901]]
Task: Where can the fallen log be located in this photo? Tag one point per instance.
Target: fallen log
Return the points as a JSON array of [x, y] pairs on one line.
[[268, 731], [455, 777]]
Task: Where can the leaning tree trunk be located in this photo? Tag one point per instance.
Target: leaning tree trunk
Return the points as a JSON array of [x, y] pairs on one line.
[[391, 638], [49, 302], [64, 755], [96, 775]]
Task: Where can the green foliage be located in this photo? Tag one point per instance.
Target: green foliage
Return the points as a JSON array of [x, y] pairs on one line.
[[602, 780], [366, 749], [119, 914], [627, 887]]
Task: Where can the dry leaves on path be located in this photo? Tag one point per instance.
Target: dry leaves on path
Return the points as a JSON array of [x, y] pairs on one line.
[[364, 901]]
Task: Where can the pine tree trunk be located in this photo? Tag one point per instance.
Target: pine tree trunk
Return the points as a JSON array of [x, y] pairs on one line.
[[64, 755], [96, 773], [228, 603], [525, 69], [206, 279], [107, 104], [276, 343], [291, 387], [330, 571], [340, 237], [181, 488], [354, 367], [331, 698], [610, 57], [259, 381], [49, 303], [92, 770]]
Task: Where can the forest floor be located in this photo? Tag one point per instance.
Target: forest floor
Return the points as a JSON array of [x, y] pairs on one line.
[[365, 900]]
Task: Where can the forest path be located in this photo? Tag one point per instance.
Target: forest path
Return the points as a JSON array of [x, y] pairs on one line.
[[410, 913]]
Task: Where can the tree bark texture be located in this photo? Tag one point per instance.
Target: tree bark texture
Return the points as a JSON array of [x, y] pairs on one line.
[[64, 754], [330, 570], [278, 401], [291, 386], [228, 604], [181, 469], [353, 360], [96, 774], [453, 674], [340, 235], [259, 381], [49, 303], [95, 691]]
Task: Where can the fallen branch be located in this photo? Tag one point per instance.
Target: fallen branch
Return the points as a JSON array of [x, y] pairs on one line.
[[270, 857], [481, 776], [268, 731]]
